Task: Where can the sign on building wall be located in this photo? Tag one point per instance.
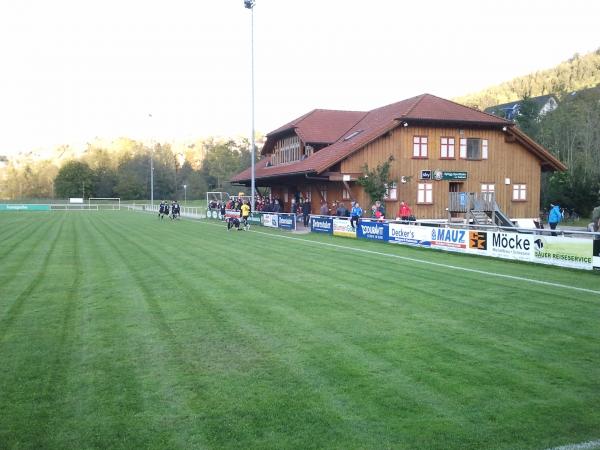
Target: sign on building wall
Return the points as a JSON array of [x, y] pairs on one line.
[[450, 176]]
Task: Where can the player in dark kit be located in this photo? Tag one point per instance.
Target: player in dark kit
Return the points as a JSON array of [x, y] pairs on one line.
[[161, 210], [233, 222], [166, 211], [176, 210]]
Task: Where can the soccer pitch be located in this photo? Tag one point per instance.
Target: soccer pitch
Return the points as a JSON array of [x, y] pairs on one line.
[[118, 330]]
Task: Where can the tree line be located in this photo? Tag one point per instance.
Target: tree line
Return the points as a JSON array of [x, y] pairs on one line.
[[123, 170], [572, 133]]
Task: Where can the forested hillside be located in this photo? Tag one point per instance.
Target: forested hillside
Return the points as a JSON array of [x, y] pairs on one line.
[[577, 73], [122, 169]]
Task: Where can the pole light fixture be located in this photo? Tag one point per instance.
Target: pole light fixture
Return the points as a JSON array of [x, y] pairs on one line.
[[249, 4]]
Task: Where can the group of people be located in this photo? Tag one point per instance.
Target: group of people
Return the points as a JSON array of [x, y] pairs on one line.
[[173, 211], [240, 223], [378, 212]]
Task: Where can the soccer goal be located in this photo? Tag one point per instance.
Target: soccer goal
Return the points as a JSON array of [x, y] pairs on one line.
[[113, 203]]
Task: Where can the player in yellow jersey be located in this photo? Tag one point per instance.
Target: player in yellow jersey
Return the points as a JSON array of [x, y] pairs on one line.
[[245, 212]]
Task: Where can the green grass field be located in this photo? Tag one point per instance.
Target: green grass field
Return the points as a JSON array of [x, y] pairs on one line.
[[121, 331]]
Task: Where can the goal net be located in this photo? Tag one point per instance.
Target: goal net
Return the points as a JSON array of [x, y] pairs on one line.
[[113, 203]]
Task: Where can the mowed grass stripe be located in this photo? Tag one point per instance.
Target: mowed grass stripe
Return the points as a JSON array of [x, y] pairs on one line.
[[250, 350], [185, 337], [35, 331], [38, 260], [151, 411]]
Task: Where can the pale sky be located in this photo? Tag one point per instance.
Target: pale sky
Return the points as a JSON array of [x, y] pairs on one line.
[[73, 70]]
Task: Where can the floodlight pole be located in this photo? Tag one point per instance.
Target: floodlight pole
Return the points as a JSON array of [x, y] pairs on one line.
[[249, 4], [151, 172]]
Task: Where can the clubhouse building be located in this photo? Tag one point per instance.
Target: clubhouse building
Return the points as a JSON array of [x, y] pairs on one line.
[[439, 148]]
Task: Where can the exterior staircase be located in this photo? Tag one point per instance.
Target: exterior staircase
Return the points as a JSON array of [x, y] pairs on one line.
[[482, 208]]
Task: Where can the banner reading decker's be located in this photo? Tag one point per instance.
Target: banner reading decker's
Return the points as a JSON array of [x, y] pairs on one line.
[[409, 234]]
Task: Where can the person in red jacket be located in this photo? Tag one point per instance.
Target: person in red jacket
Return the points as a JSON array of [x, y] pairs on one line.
[[404, 212]]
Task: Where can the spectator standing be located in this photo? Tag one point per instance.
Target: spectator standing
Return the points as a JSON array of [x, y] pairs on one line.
[[324, 209], [404, 212], [341, 210], [355, 214], [554, 217], [306, 207], [595, 225], [381, 209]]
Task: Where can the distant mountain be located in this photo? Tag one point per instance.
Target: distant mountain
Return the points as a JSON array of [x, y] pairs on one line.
[[577, 73]]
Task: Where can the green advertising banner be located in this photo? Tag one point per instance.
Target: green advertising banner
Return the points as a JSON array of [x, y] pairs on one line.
[[14, 207]]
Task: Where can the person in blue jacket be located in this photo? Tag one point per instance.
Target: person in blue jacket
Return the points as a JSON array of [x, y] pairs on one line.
[[355, 215], [554, 217]]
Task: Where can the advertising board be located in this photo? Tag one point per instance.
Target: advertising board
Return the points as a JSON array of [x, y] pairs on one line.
[[342, 227], [372, 229], [287, 221], [452, 239], [409, 235], [12, 207], [563, 251], [321, 224], [270, 220]]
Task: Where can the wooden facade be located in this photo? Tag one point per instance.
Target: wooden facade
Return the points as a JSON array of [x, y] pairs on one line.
[[508, 163], [438, 147]]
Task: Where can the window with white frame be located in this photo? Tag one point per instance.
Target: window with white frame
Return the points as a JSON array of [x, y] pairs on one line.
[[519, 192], [419, 146], [425, 193], [447, 148], [473, 148], [345, 194], [488, 190]]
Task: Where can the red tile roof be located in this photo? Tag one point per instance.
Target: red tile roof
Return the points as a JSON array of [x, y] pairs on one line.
[[320, 126], [424, 108]]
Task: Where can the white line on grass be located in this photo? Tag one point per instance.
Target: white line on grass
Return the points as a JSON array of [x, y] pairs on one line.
[[583, 446], [421, 261]]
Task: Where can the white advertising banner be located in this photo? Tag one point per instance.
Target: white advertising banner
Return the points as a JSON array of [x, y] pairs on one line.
[[410, 235], [270, 220]]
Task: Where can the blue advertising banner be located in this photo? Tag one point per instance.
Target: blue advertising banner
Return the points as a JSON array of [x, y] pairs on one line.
[[287, 221], [321, 224], [379, 231]]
